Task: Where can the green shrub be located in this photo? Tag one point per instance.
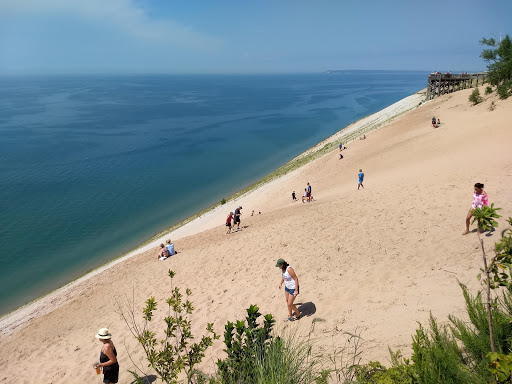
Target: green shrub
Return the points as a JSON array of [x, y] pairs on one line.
[[504, 90], [475, 335], [475, 97], [243, 342], [401, 372], [257, 357], [223, 201], [488, 90], [500, 366], [437, 358], [173, 353]]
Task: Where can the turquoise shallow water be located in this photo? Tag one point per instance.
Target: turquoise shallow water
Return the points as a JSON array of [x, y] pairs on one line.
[[91, 166]]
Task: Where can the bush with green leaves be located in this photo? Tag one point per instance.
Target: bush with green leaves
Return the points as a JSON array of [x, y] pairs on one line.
[[244, 342], [488, 90], [172, 353], [500, 366], [437, 357], [401, 372], [499, 59], [474, 335], [504, 90], [475, 97], [255, 356]]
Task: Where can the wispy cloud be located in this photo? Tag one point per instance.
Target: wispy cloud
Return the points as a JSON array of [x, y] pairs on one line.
[[125, 16]]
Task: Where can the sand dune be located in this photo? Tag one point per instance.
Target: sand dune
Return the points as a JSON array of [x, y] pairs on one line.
[[376, 260]]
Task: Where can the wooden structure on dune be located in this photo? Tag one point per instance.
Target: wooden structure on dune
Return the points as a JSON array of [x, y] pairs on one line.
[[443, 83]]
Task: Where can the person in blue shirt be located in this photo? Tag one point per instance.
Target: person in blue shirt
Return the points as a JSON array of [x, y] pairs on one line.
[[361, 177], [170, 248]]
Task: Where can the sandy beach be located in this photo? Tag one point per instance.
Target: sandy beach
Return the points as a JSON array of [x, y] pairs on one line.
[[375, 260]]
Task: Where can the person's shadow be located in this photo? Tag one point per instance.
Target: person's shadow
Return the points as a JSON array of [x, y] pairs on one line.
[[145, 379], [306, 309]]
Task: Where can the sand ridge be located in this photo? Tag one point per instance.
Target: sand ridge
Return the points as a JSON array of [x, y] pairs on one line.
[[376, 260]]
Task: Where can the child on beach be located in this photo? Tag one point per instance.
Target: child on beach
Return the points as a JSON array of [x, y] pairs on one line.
[[291, 288], [361, 177], [479, 200], [293, 196], [228, 222]]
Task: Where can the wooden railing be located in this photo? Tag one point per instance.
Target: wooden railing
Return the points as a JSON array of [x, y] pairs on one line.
[[443, 83]]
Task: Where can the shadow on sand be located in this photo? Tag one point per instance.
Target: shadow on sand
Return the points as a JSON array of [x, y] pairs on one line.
[[146, 379], [306, 309]]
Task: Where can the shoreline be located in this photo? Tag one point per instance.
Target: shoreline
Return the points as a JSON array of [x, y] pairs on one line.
[[208, 217]]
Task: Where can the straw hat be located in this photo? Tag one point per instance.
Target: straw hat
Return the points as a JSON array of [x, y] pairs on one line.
[[103, 333]]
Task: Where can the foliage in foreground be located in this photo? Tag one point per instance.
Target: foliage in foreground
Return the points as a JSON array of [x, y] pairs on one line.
[[173, 353], [255, 356]]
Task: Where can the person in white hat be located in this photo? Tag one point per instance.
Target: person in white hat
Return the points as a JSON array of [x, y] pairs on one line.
[[108, 357]]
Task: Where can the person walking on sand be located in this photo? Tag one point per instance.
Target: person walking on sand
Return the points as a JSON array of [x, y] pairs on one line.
[[228, 222], [361, 177], [341, 146], [291, 288], [479, 200], [108, 357], [293, 196], [238, 212]]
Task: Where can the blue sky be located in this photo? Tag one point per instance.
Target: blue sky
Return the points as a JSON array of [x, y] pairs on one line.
[[178, 36]]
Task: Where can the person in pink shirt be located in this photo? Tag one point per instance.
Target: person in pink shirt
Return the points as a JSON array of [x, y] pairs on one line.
[[479, 200]]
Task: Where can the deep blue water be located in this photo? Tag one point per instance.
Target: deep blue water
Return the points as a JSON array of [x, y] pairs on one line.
[[91, 166]]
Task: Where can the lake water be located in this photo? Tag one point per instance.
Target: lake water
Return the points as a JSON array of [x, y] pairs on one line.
[[91, 166]]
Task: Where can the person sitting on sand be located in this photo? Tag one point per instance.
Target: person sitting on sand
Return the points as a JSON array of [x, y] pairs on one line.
[[479, 200], [438, 122], [291, 288], [108, 357], [305, 196], [163, 253], [170, 248], [228, 222], [434, 125], [364, 137], [293, 196], [341, 146]]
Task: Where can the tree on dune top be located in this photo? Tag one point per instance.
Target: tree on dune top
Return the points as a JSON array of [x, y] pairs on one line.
[[499, 64]]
